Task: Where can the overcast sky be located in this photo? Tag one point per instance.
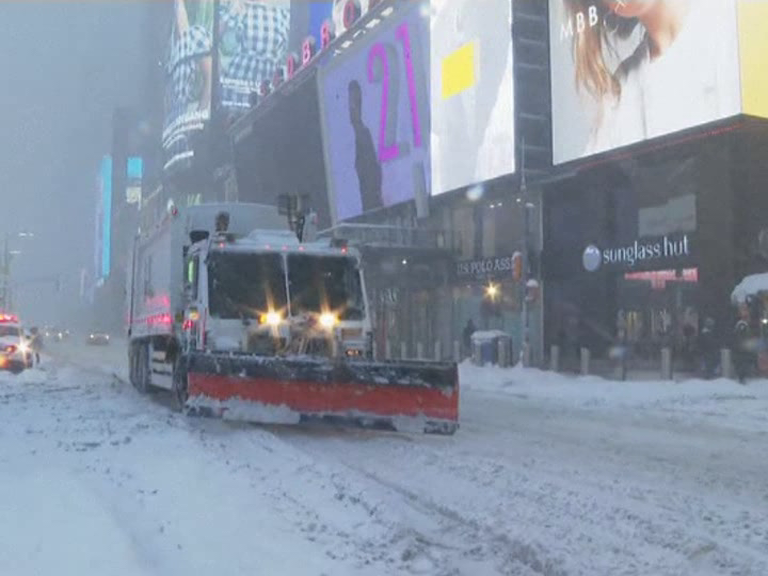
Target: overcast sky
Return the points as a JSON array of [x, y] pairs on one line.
[[65, 66]]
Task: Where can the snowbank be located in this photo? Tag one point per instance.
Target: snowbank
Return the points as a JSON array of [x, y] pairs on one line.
[[743, 406]]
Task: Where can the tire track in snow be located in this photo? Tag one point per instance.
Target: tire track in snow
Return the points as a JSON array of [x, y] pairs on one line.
[[455, 540]]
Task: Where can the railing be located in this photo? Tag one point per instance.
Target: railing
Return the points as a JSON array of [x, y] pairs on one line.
[[392, 236]]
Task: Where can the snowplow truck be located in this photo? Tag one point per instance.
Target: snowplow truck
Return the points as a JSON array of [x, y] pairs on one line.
[[237, 318]]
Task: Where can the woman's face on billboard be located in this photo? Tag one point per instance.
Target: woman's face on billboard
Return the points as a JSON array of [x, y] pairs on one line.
[[629, 8]]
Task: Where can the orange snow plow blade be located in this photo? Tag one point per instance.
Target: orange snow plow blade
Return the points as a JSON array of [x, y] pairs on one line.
[[396, 395]]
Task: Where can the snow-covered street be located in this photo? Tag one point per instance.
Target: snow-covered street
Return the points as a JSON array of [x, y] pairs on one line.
[[547, 475]]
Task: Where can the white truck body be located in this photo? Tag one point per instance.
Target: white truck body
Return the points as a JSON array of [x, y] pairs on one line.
[[155, 281], [252, 290]]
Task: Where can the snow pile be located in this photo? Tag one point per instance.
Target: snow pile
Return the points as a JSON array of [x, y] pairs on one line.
[[743, 406]]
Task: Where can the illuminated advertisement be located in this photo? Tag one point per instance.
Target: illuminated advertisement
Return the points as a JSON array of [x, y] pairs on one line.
[[624, 71], [134, 174], [375, 114], [753, 48], [189, 70], [472, 92], [253, 42], [105, 181]]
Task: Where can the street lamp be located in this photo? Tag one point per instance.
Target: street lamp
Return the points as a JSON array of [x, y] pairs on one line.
[[5, 285]]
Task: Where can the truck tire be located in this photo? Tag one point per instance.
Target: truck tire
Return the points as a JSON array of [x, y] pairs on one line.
[[132, 364], [180, 394], [142, 368]]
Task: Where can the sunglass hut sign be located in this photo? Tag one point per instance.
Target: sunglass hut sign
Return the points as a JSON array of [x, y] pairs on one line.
[[639, 252]]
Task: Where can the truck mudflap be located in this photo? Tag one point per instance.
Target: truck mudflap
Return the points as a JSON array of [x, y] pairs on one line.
[[403, 396]]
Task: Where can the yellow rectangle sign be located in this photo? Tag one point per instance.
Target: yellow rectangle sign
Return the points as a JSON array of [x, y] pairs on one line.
[[458, 71], [753, 48]]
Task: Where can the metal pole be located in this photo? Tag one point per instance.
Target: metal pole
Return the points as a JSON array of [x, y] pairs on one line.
[[6, 272], [524, 349]]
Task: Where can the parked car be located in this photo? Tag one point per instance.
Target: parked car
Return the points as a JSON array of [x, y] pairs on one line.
[[15, 354]]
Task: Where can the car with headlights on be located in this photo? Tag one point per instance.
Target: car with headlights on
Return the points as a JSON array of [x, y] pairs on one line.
[[98, 339], [15, 353]]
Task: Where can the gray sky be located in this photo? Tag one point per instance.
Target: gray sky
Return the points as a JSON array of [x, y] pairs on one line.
[[65, 66]]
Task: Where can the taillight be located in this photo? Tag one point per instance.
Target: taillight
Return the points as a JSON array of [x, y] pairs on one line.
[[10, 349]]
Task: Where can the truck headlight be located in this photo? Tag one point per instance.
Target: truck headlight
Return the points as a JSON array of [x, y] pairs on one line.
[[328, 320], [271, 319]]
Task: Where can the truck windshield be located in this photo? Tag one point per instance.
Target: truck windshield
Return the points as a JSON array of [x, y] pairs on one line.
[[319, 283], [245, 285], [9, 331]]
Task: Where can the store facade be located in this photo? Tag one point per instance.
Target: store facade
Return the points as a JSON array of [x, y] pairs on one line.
[[641, 250]]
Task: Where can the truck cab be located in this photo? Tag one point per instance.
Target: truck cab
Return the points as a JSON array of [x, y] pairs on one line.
[[269, 294]]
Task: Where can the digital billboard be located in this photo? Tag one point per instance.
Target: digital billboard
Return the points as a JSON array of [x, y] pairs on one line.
[[472, 92], [624, 71], [105, 182], [753, 49], [189, 77], [253, 43], [134, 171], [374, 100]]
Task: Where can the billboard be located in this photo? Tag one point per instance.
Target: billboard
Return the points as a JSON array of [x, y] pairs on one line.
[[189, 70], [253, 43], [753, 48], [374, 101], [134, 173], [624, 71], [105, 181], [472, 92]]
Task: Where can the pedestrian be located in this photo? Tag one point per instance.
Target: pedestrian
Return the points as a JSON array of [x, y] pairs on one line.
[[36, 344], [689, 346], [466, 334], [708, 348], [741, 349]]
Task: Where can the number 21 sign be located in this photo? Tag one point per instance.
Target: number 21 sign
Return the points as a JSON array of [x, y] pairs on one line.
[[375, 108]]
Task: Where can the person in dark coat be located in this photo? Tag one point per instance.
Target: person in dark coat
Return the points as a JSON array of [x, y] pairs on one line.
[[36, 343], [466, 334], [742, 357], [708, 348]]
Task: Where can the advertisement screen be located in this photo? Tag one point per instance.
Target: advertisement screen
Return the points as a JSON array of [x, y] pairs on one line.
[[753, 48], [472, 92], [253, 43], [134, 173], [105, 181], [189, 70], [624, 71], [375, 114]]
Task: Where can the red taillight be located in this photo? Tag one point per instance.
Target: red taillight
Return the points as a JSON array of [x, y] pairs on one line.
[[10, 349]]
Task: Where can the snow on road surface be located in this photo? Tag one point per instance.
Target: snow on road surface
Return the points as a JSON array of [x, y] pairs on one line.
[[548, 475]]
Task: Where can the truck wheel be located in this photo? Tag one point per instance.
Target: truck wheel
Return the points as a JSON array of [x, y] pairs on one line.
[[142, 368], [180, 393]]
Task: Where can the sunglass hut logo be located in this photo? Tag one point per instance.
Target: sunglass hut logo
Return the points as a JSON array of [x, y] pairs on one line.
[[641, 251]]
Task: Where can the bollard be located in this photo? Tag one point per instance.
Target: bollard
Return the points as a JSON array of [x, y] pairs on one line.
[[438, 351], [457, 351], [554, 359], [388, 349], [726, 363], [585, 356], [403, 350], [666, 364], [525, 357], [502, 353]]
